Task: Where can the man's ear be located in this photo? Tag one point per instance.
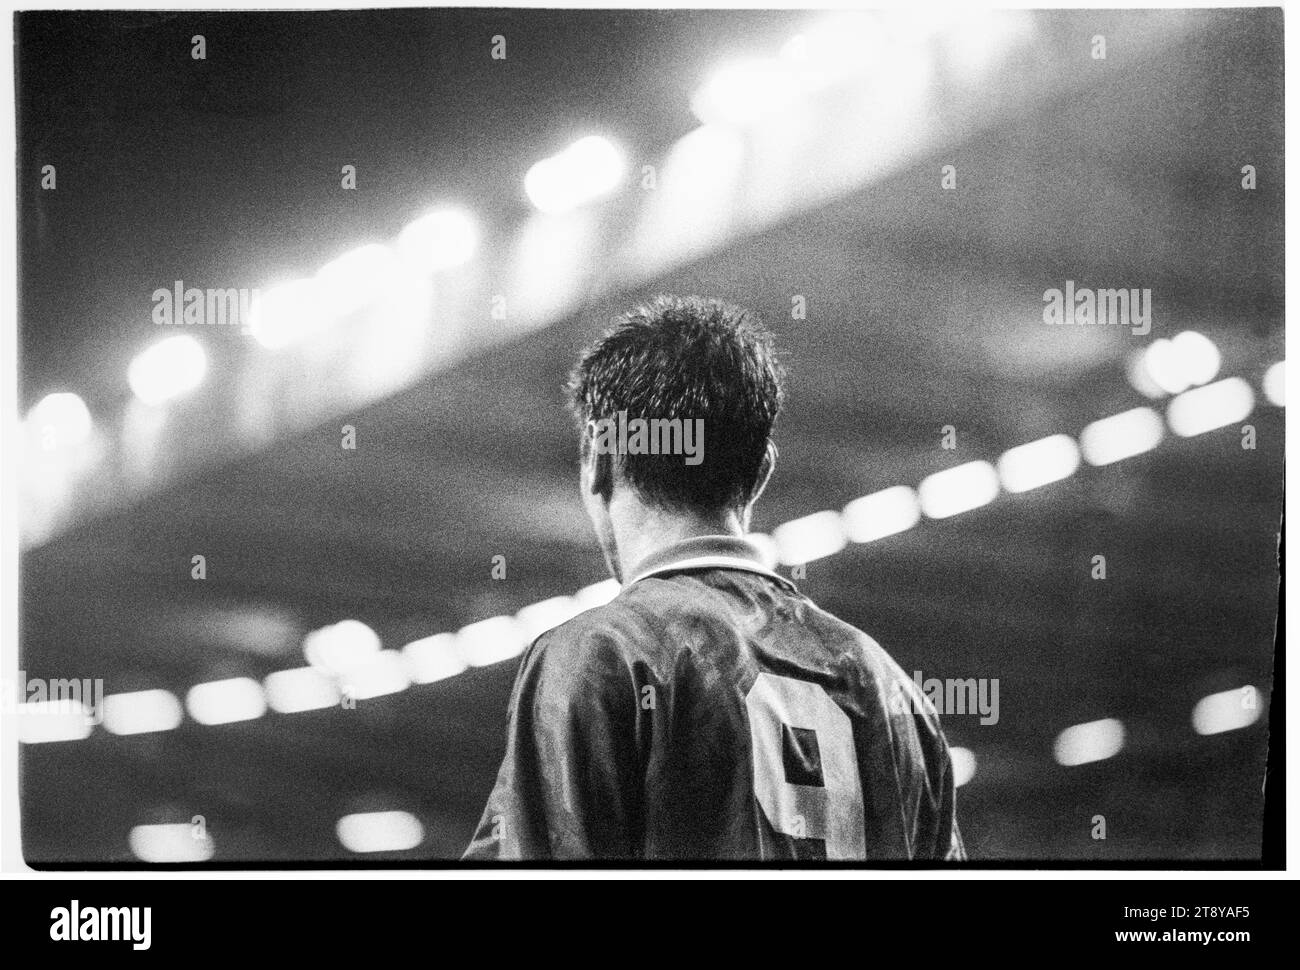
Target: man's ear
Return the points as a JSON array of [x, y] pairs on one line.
[[598, 464], [602, 476]]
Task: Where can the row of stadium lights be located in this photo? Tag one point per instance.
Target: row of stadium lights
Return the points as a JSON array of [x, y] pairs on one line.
[[841, 48], [290, 312], [346, 659]]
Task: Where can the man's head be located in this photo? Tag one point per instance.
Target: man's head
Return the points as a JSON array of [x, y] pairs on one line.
[[675, 366]]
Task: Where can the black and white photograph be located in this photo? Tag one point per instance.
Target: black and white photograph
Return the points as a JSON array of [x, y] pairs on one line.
[[499, 438]]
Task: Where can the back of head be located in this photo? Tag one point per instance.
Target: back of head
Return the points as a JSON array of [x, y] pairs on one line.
[[686, 359]]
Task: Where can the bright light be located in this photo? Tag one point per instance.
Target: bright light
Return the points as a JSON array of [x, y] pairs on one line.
[[287, 313], [963, 765], [1039, 463], [1198, 357], [384, 674], [1190, 359], [958, 489], [172, 367], [1093, 741], [1229, 710], [851, 45], [881, 514], [142, 712], [226, 701], [597, 594], [1275, 384], [980, 40], [738, 93], [357, 278], [837, 47], [587, 170], [40, 722], [490, 641], [1161, 365], [1213, 406], [379, 831], [695, 200], [61, 420], [812, 537], [1121, 436], [177, 842], [1135, 366], [438, 241], [300, 689], [536, 619], [765, 545], [433, 658], [339, 647]]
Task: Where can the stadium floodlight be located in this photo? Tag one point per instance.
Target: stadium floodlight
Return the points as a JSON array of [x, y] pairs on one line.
[[440, 240], [1188, 360], [1135, 368], [300, 689], [811, 537], [881, 514], [385, 673], [226, 701], [40, 722], [1092, 741], [1038, 463], [956, 490], [379, 831], [765, 546], [490, 641], [60, 420], [845, 41], [848, 46], [1213, 406], [339, 647], [169, 369], [1121, 436], [743, 91], [1161, 365], [1198, 357], [536, 618], [963, 765], [597, 594], [589, 169], [434, 658], [173, 842], [1275, 384], [1229, 710], [142, 712], [288, 312], [357, 278]]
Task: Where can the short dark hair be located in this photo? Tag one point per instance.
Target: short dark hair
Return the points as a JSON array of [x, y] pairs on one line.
[[688, 358]]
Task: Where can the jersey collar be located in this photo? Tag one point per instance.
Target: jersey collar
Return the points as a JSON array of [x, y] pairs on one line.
[[707, 552]]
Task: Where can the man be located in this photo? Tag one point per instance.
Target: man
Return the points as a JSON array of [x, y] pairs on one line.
[[710, 711]]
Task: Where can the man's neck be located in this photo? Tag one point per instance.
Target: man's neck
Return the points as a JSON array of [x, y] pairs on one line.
[[641, 530]]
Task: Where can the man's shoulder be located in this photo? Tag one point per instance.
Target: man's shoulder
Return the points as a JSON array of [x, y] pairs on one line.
[[624, 625], [649, 620]]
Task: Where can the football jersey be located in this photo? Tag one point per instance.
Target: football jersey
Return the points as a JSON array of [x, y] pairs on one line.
[[712, 712]]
